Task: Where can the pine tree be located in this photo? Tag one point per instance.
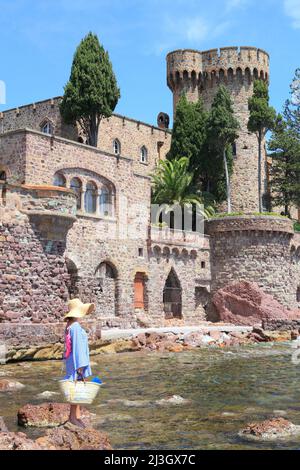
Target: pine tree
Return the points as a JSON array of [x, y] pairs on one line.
[[92, 91], [222, 133], [261, 120]]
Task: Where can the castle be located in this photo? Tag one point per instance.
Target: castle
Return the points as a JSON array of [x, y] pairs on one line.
[[75, 220]]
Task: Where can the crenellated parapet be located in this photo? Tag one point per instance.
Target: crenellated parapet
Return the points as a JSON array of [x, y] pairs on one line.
[[200, 69]]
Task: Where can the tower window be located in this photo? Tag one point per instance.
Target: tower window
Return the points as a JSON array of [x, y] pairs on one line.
[[144, 155], [203, 265], [47, 128], [116, 147], [234, 151]]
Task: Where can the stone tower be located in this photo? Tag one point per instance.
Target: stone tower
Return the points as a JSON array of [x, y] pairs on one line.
[[199, 74]]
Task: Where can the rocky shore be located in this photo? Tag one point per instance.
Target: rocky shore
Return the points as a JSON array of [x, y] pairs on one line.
[[171, 341], [176, 343], [60, 435]]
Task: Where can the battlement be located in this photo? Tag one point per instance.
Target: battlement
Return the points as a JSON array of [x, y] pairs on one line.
[[248, 63]]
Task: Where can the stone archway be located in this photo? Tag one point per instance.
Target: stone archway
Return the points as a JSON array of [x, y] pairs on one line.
[[73, 281], [172, 296], [107, 300]]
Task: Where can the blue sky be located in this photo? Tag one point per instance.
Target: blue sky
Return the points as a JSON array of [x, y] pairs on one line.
[[38, 40]]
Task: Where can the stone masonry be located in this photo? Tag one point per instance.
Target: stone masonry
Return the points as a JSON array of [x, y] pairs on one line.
[[198, 75], [75, 220]]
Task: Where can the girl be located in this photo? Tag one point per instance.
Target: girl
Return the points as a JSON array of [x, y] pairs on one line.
[[77, 357]]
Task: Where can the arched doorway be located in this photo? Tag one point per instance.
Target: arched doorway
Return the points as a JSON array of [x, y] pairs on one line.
[[140, 292], [107, 299], [173, 296], [72, 283]]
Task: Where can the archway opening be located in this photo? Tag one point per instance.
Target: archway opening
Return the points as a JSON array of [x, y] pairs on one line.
[[107, 299], [72, 283], [172, 296]]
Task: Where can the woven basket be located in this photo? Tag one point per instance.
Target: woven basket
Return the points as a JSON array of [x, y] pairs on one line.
[[79, 393]]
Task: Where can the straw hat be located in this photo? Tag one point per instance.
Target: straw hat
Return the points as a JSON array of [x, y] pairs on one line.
[[77, 309]]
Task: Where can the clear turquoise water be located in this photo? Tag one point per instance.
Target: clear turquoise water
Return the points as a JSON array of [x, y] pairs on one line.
[[225, 389]]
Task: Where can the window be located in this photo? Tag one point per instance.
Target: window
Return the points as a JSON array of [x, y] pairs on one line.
[[141, 252], [234, 149], [91, 198], [117, 147], [76, 186], [60, 180], [203, 265], [2, 176], [47, 127], [144, 155], [106, 202]]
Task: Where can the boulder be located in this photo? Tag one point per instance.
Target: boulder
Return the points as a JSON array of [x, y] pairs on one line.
[[244, 303], [270, 430], [194, 340], [10, 385], [70, 437], [17, 441], [48, 415]]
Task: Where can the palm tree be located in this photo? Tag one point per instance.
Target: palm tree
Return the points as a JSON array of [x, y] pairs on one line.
[[173, 185]]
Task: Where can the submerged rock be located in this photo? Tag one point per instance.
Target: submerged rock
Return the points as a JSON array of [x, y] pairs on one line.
[[269, 430], [48, 415], [47, 394], [174, 400], [10, 385]]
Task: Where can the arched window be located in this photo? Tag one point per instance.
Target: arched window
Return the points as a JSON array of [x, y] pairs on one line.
[[60, 180], [47, 127], [144, 155], [76, 186], [106, 202], [117, 147], [91, 198], [106, 270]]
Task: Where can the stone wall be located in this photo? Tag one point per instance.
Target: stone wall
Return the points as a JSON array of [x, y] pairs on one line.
[[255, 249], [132, 134]]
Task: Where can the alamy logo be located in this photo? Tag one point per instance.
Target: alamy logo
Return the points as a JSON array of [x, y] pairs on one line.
[[2, 92]]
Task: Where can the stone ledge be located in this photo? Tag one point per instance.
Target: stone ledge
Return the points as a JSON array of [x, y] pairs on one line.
[[249, 223]]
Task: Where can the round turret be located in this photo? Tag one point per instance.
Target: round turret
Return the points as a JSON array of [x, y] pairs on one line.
[[199, 74]]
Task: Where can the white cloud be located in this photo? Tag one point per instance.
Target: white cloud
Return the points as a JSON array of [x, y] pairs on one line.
[[292, 9], [191, 29], [232, 4]]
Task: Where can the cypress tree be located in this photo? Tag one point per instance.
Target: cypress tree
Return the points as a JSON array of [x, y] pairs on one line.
[[262, 119], [92, 91], [222, 133], [189, 135]]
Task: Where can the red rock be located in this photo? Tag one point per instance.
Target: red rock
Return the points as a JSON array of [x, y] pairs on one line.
[[244, 303], [17, 441], [70, 437], [270, 426], [48, 415]]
